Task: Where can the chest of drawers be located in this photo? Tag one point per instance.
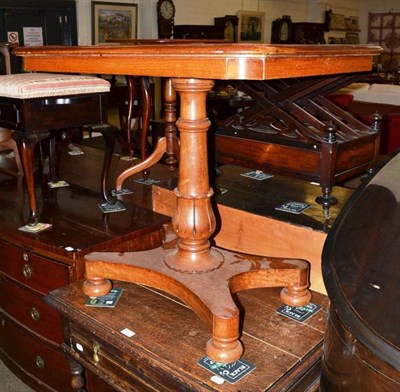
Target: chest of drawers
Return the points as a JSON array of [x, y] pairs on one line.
[[31, 331], [32, 265]]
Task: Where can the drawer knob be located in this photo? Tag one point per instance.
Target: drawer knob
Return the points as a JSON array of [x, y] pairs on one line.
[[35, 314], [27, 271], [25, 256], [39, 362], [96, 350]]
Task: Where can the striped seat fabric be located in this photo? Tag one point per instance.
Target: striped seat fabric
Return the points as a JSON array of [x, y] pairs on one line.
[[39, 85]]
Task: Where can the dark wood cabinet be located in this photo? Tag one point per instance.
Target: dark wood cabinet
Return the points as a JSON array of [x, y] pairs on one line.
[[307, 33], [199, 32]]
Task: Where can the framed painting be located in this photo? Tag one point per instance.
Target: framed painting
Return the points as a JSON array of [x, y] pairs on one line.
[[251, 26], [113, 21]]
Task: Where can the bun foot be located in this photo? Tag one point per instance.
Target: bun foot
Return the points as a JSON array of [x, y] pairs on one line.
[[96, 287], [224, 352], [296, 295]]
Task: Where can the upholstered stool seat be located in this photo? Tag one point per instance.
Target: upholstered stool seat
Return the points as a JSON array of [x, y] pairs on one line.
[[40, 85], [37, 106]]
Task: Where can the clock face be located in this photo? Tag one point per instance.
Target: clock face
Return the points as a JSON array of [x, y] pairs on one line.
[[167, 10], [284, 36]]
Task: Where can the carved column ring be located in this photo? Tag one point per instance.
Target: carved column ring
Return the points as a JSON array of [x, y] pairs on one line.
[[180, 84], [193, 126], [202, 196]]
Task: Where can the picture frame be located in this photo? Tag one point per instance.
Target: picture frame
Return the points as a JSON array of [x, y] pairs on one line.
[[113, 21], [352, 38], [354, 23], [251, 26], [337, 22]]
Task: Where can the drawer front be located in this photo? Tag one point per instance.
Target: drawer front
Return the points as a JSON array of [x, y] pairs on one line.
[[28, 308], [38, 273], [10, 116], [36, 358], [125, 371]]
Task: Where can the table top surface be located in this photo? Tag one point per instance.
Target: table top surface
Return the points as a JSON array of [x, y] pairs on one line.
[[202, 60]]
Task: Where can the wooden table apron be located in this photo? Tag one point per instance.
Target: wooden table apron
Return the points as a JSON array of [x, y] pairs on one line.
[[194, 265]]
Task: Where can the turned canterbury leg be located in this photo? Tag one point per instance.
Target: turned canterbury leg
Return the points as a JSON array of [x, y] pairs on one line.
[[328, 160]]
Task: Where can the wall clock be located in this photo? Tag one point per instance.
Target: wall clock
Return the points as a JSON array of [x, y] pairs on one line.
[[165, 18]]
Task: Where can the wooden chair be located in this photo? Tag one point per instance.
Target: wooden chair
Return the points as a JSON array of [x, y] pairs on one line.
[[139, 105], [40, 106]]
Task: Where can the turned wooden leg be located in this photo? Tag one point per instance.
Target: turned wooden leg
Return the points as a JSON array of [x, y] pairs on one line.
[[146, 114], [193, 220], [329, 150], [326, 200], [53, 157], [170, 127], [224, 345], [26, 147], [128, 123], [77, 375], [109, 134]]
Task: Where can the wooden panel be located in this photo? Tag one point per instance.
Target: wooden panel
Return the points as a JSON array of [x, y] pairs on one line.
[[267, 156]]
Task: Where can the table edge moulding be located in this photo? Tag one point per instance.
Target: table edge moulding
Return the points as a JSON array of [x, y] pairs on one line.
[[203, 276]]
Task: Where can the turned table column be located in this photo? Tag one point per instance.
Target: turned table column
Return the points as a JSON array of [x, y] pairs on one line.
[[193, 220]]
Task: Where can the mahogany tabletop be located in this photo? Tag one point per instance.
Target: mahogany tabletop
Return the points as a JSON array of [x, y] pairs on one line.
[[202, 60]]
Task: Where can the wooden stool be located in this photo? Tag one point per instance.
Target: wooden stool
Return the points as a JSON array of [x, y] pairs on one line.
[[40, 105]]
